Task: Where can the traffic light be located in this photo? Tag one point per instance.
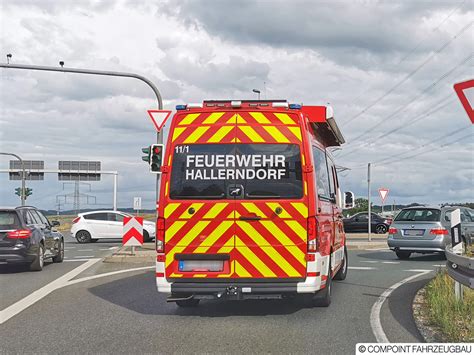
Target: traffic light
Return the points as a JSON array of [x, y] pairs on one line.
[[147, 151], [156, 158], [28, 192], [18, 191]]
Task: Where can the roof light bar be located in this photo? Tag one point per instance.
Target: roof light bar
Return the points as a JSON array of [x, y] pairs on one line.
[[295, 106], [236, 104], [280, 104], [195, 105], [180, 107]]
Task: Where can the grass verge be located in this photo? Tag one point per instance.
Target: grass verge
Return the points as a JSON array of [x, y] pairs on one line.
[[454, 319]]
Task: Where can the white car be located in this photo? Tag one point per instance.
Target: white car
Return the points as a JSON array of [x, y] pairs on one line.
[[91, 226]]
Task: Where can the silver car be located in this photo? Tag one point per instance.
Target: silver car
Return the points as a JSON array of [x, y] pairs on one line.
[[422, 229]]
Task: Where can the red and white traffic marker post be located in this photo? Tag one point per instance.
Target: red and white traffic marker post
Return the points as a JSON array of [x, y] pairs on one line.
[[457, 246], [132, 232]]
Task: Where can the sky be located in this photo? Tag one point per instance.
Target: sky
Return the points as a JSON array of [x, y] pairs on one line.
[[386, 68]]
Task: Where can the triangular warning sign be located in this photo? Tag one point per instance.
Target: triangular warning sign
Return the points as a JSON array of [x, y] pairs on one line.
[[462, 90], [159, 117], [383, 194]]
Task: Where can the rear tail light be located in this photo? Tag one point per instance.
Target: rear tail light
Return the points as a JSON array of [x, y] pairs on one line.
[[312, 234], [160, 235], [75, 220], [19, 234], [439, 231], [392, 230]]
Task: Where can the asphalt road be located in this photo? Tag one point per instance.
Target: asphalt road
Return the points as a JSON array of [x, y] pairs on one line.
[[123, 313]]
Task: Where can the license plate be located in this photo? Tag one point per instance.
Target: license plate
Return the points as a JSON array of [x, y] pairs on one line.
[[414, 232], [201, 265]]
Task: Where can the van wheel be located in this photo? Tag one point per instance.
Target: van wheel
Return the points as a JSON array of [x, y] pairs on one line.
[[403, 255], [83, 237], [193, 302], [146, 237], [323, 297], [342, 272], [38, 264]]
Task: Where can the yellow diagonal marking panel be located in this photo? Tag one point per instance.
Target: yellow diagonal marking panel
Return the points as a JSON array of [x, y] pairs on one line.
[[231, 120], [259, 117], [215, 210], [298, 229], [198, 132], [189, 119], [170, 208], [240, 119], [177, 132], [283, 239], [284, 118], [220, 134], [254, 260], [276, 134], [186, 215], [251, 134], [189, 237], [301, 208], [252, 208], [269, 250], [227, 247], [296, 131], [240, 270], [274, 205], [170, 254], [166, 188], [173, 229], [213, 237], [213, 117]]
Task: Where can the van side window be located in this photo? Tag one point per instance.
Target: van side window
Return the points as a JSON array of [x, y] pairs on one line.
[[321, 171], [332, 179]]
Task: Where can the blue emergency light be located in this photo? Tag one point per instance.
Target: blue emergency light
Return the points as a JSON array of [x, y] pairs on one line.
[[180, 107], [294, 106]]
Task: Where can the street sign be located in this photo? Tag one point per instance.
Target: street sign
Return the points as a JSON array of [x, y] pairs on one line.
[[466, 87], [137, 203], [383, 192], [159, 117], [132, 231], [70, 170], [32, 169]]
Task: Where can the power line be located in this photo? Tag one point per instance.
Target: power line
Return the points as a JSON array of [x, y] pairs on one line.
[[408, 76], [403, 108]]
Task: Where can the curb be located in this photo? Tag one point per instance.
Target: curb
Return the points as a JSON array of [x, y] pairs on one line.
[[365, 245], [419, 315]]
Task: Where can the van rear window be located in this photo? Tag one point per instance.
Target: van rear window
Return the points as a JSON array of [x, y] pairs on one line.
[[206, 171]]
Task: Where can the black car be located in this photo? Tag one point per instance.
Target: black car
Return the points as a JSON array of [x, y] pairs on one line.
[[27, 237], [360, 223]]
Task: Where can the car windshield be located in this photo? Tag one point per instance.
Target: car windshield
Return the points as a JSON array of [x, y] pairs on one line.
[[419, 214], [206, 171], [8, 220]]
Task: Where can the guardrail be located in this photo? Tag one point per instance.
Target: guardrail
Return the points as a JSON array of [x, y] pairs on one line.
[[460, 268]]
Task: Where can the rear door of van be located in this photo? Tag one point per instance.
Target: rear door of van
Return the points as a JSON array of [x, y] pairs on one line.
[[271, 208]]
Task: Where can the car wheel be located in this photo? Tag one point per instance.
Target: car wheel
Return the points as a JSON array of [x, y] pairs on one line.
[[146, 237], [323, 297], [342, 273], [403, 255], [60, 256], [83, 237], [193, 302], [381, 229], [38, 263]]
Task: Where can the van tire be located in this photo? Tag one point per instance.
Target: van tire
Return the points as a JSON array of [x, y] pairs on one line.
[[193, 302], [342, 272], [323, 297], [403, 255]]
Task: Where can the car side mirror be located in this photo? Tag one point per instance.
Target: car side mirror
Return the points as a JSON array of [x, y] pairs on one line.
[[55, 224], [349, 200]]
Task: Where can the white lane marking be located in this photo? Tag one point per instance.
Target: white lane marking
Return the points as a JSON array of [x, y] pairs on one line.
[[83, 256], [37, 295], [67, 248], [111, 248], [390, 262], [87, 278], [419, 270], [369, 261], [439, 265], [375, 322], [361, 268], [85, 250], [75, 260]]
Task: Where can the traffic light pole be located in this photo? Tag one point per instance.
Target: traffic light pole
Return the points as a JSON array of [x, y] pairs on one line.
[[23, 177], [159, 135]]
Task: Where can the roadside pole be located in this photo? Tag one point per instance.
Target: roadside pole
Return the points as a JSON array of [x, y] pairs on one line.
[[23, 177], [368, 200], [159, 136]]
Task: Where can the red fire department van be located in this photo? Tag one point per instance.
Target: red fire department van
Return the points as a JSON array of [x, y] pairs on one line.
[[250, 204]]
